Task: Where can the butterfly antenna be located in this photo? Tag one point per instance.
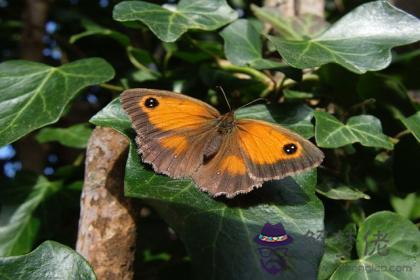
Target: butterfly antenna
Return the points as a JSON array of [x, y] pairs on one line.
[[253, 101], [224, 95]]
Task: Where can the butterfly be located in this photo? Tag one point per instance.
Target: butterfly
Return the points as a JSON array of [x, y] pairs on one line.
[[183, 137]]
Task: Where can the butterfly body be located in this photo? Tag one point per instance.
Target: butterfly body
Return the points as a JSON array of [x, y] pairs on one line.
[[226, 123], [183, 137]]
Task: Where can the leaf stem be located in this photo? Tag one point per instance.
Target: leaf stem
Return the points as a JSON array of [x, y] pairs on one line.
[[362, 105], [259, 76], [112, 87], [401, 134], [135, 62]]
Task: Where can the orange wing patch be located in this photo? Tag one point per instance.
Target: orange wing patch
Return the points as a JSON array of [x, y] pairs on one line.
[[265, 144], [233, 165], [174, 113], [226, 173], [178, 144]]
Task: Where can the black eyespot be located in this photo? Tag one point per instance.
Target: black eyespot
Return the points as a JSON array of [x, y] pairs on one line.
[[151, 102], [290, 149]]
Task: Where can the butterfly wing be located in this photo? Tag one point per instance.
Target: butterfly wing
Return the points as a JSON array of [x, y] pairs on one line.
[[178, 135], [226, 173], [254, 152], [173, 130], [274, 152]]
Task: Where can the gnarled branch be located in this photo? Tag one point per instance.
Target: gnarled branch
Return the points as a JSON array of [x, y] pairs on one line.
[[107, 225]]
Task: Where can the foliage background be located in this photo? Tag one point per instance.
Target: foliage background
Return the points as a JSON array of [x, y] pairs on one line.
[[371, 163]]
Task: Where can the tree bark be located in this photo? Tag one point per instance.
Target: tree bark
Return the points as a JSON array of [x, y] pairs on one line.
[[34, 18], [107, 225]]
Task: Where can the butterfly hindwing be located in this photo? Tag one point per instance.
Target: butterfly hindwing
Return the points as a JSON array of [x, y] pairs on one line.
[[226, 173]]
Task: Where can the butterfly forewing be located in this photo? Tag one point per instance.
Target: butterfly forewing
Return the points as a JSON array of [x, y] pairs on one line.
[[274, 152], [172, 129]]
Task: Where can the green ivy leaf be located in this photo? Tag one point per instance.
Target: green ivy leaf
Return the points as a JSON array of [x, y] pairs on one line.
[[114, 116], [334, 189], [139, 56], [34, 94], [141, 59], [75, 136], [387, 247], [51, 260], [243, 45], [361, 41], [341, 192], [199, 51], [18, 226], [290, 94], [296, 117], [218, 229], [338, 249], [408, 207], [366, 129], [169, 22], [413, 124], [93, 29], [75, 186]]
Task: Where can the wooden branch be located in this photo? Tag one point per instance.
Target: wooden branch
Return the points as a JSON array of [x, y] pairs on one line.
[[34, 18], [107, 224]]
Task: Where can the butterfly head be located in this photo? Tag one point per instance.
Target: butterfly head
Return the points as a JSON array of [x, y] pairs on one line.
[[226, 123]]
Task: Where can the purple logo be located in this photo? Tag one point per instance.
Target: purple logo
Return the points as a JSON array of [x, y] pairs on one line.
[[272, 241]]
